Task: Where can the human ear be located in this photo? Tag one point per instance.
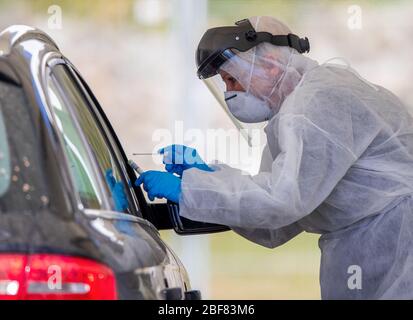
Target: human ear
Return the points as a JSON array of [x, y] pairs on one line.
[[271, 65]]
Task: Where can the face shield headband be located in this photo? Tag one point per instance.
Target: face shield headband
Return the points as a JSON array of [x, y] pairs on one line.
[[213, 48]]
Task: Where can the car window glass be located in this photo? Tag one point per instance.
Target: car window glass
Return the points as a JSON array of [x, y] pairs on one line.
[[108, 167], [24, 157], [5, 174], [79, 163]]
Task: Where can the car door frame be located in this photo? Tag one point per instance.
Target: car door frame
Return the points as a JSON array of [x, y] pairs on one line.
[[106, 127], [106, 212]]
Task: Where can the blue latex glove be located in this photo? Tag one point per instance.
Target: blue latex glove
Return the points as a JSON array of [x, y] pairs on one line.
[[160, 185], [118, 193], [178, 158]]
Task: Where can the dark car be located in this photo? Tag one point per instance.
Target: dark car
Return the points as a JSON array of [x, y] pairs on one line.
[[72, 223]]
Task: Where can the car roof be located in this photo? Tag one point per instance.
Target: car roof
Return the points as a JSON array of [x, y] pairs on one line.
[[22, 50], [14, 34]]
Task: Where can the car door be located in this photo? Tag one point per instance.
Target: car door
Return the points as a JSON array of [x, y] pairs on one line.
[[146, 267]]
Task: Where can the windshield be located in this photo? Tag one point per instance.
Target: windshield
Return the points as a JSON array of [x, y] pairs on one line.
[[22, 184]]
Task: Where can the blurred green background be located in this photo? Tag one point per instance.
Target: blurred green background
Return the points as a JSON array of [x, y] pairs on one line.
[[138, 57]]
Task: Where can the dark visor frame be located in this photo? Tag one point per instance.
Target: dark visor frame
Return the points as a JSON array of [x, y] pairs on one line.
[[214, 47]]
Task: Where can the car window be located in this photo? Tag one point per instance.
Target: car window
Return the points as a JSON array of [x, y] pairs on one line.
[[5, 169], [113, 180], [24, 185], [114, 144], [79, 163]]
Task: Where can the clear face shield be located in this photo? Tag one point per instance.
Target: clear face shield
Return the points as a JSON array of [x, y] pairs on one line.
[[217, 52]]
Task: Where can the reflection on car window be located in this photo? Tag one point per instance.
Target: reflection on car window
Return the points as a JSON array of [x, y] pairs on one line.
[[79, 162], [24, 181], [107, 164], [4, 158]]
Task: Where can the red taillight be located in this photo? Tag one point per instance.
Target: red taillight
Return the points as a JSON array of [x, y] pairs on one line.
[[44, 276], [12, 276]]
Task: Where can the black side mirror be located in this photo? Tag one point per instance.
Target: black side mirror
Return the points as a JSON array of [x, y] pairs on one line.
[[166, 216]]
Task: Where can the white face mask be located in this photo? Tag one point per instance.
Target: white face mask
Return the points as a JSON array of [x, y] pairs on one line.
[[247, 108]]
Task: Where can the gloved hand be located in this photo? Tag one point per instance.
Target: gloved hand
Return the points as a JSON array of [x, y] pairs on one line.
[[178, 158], [160, 185], [118, 193]]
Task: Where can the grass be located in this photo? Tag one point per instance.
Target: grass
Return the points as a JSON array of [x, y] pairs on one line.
[[240, 269]]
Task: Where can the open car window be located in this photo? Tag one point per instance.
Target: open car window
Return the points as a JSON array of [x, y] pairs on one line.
[[108, 174], [80, 166], [113, 144]]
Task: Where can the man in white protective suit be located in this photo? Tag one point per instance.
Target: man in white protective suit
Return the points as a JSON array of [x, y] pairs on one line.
[[338, 160]]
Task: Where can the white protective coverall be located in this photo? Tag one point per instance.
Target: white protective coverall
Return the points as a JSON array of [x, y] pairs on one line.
[[338, 162]]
